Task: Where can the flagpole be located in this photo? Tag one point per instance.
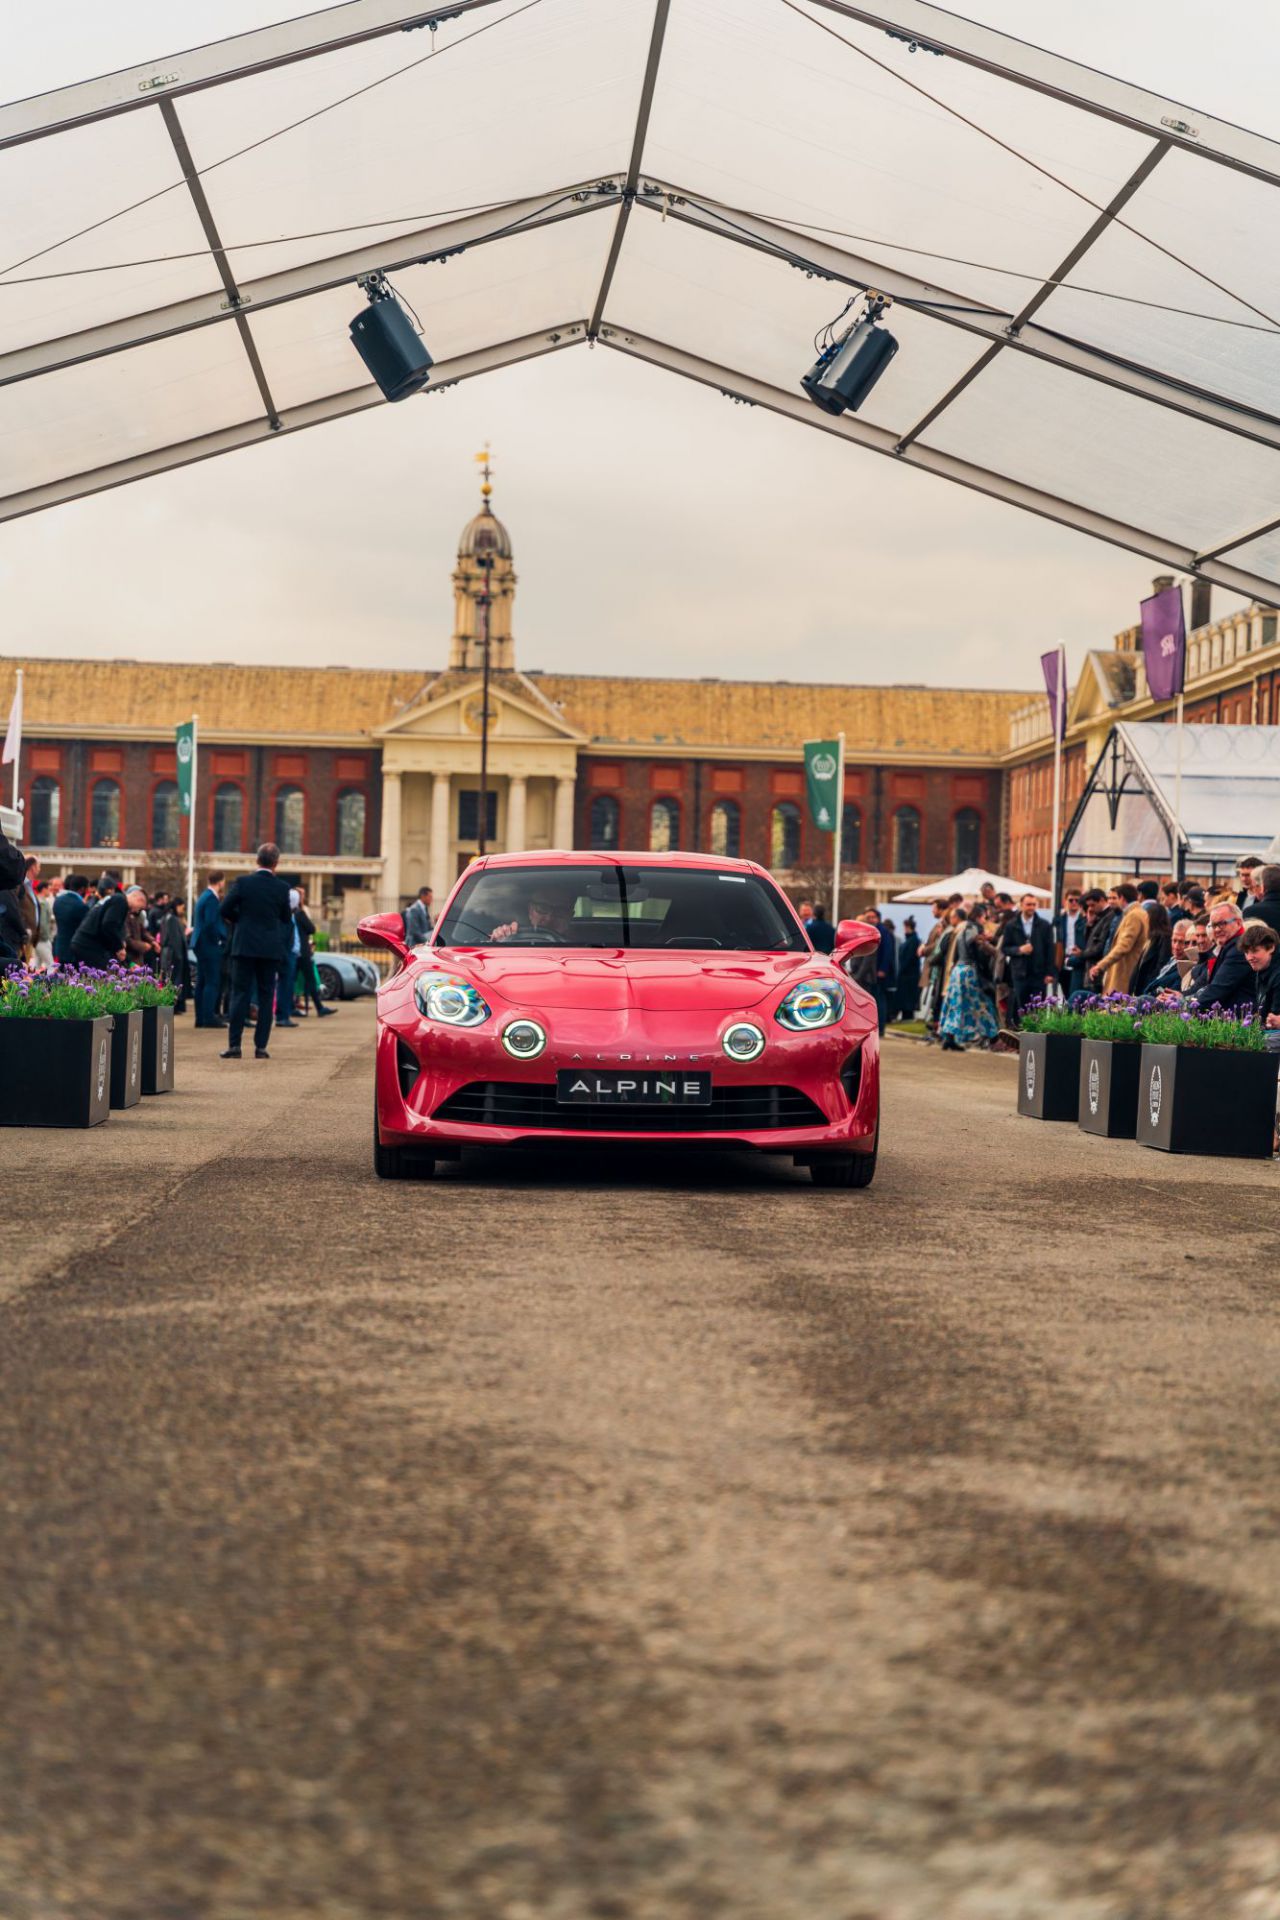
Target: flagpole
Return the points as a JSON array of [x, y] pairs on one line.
[[17, 745], [191, 821], [839, 846], [1179, 864], [1058, 717]]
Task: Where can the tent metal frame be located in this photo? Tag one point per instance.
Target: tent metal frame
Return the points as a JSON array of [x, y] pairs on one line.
[[159, 84]]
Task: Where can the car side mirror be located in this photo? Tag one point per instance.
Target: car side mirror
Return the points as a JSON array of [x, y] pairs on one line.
[[853, 936], [384, 930]]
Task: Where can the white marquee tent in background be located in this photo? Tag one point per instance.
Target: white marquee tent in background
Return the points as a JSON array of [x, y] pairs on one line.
[[1084, 284]]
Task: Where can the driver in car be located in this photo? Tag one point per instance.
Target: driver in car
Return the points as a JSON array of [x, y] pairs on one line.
[[549, 914]]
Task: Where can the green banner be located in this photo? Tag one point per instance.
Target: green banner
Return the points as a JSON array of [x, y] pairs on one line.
[[186, 743], [822, 780]]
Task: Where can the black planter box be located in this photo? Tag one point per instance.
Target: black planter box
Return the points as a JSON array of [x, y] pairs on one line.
[[1049, 1075], [1207, 1100], [126, 1059], [55, 1073], [1109, 1088], [157, 1049]]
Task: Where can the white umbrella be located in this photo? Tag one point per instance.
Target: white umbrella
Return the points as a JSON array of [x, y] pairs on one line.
[[972, 880]]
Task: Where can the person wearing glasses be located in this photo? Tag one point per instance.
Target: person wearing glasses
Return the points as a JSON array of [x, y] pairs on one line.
[[548, 919], [1224, 977]]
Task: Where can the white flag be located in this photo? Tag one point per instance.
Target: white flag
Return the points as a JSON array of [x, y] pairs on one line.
[[13, 738]]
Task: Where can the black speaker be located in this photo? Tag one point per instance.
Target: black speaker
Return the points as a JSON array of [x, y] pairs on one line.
[[392, 348], [846, 373]]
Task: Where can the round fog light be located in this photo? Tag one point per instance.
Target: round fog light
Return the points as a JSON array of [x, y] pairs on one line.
[[743, 1042], [524, 1039]]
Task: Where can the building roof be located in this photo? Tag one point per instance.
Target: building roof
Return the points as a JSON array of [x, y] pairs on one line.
[[1226, 804], [295, 704]]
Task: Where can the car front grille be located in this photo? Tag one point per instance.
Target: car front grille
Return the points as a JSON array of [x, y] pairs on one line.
[[525, 1104]]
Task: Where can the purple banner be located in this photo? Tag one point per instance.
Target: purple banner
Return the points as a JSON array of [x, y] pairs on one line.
[[1055, 685], [1164, 643]]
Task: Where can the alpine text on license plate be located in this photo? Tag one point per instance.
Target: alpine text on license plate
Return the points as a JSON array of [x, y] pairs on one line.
[[649, 1087]]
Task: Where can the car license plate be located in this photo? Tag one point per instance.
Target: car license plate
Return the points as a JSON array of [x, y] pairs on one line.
[[645, 1087]]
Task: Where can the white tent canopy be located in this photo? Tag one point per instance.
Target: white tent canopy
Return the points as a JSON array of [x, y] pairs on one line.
[[1084, 288], [1126, 821], [971, 881]]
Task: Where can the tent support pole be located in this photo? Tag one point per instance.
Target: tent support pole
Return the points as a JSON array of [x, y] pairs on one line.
[[1179, 845], [1059, 714]]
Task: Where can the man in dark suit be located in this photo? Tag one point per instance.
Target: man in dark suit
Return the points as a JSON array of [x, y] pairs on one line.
[[1027, 946], [1070, 931], [101, 938], [1224, 977], [257, 910], [821, 931], [209, 937], [1266, 906], [69, 909]]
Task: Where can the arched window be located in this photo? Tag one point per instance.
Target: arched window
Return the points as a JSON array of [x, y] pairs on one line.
[[784, 836], [351, 811], [45, 805], [906, 840], [664, 826], [228, 818], [726, 829], [164, 814], [603, 824], [851, 835], [289, 813], [968, 839], [104, 814]]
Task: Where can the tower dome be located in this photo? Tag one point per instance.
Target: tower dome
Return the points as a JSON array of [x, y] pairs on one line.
[[484, 585], [485, 534]]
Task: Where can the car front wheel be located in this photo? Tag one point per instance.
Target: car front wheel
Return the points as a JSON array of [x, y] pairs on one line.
[[846, 1169], [399, 1163], [330, 982]]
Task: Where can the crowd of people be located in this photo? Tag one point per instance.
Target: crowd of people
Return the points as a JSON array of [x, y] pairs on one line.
[[987, 955], [249, 953]]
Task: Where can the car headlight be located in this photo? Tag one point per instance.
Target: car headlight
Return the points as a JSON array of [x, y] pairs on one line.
[[814, 1003], [455, 1003], [742, 1041], [524, 1039]]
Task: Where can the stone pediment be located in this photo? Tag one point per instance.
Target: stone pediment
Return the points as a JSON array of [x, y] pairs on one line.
[[1106, 681], [451, 708]]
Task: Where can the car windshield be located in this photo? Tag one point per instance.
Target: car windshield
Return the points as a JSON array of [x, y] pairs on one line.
[[608, 906]]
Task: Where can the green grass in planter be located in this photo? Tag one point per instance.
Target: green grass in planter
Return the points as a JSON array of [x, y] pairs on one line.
[[1188, 1027], [80, 993], [1039, 1017]]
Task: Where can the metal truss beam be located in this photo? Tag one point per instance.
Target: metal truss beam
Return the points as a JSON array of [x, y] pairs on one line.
[[248, 433], [661, 11], [295, 283], [1055, 349], [998, 486], [1061, 79], [1241, 539], [221, 60]]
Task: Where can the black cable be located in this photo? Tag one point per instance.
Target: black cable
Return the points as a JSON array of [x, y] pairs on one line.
[[266, 139], [977, 127]]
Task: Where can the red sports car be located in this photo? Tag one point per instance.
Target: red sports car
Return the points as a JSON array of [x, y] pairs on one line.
[[624, 997]]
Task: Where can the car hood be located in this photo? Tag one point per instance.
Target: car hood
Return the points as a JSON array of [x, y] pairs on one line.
[[610, 980]]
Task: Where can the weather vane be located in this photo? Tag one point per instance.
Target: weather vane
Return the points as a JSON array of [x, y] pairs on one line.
[[486, 465]]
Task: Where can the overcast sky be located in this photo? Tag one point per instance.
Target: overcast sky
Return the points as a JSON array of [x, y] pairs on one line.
[[657, 528]]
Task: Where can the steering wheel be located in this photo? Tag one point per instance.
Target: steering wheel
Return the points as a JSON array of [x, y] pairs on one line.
[[694, 942], [534, 939]]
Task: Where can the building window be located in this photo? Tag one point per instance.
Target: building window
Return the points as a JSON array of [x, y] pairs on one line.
[[906, 840], [968, 839], [104, 814], [164, 814], [603, 824], [726, 829], [664, 826], [228, 818], [351, 812], [290, 812], [851, 835], [45, 805], [469, 815], [784, 836]]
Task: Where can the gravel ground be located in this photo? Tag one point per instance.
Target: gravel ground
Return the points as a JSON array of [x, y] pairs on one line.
[[668, 1541]]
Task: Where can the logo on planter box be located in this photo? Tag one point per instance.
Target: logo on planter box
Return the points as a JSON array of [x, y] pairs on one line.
[[1155, 1093], [102, 1067], [135, 1056], [1031, 1074], [164, 1048], [1094, 1084]]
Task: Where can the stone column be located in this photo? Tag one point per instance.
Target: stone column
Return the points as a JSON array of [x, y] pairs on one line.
[[517, 791], [390, 899], [440, 876], [562, 827]]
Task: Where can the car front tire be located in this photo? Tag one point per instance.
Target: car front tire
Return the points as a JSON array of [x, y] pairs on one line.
[[399, 1163], [330, 982], [846, 1169]]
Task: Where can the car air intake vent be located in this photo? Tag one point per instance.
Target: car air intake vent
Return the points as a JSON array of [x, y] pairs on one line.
[[408, 1066], [527, 1104]]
